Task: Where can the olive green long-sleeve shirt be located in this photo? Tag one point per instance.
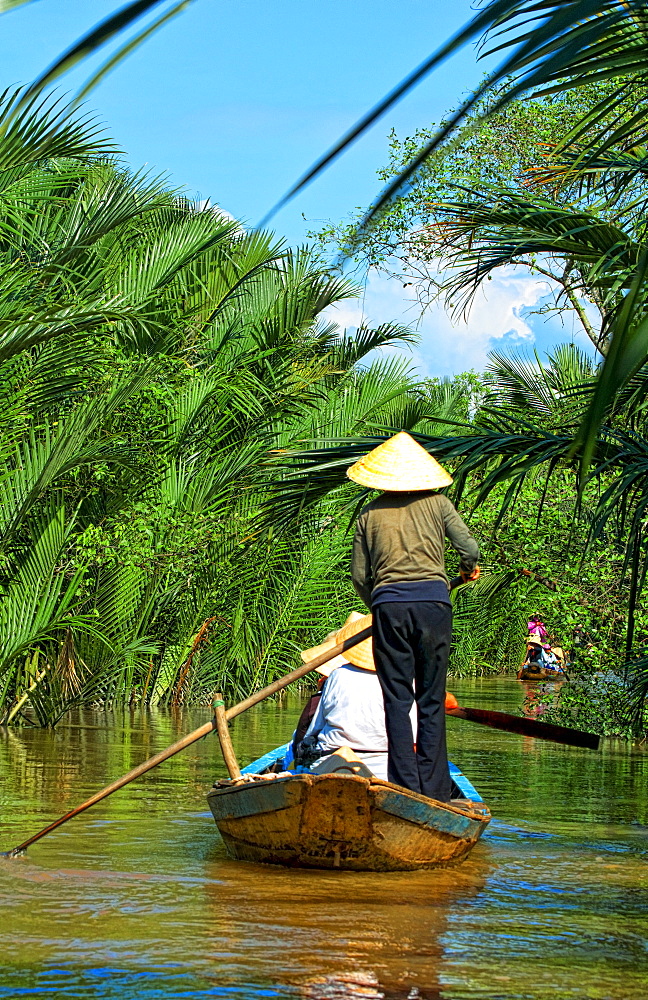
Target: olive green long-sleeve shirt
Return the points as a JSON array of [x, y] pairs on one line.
[[400, 538]]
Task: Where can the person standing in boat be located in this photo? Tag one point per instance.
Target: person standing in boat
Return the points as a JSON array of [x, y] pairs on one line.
[[398, 570], [536, 627], [350, 709]]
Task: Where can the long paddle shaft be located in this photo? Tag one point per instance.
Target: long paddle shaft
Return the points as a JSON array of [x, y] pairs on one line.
[[197, 734]]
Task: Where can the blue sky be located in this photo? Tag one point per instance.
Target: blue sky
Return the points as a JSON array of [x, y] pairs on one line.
[[235, 98]]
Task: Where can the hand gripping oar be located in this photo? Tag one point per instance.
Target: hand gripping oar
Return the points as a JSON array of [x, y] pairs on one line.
[[197, 734]]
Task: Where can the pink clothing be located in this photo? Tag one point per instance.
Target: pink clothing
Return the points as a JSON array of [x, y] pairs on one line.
[[536, 627]]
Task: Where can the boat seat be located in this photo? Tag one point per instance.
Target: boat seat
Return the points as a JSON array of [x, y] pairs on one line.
[[343, 761]]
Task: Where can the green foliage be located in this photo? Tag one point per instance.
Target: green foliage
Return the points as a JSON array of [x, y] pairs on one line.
[[488, 622], [156, 357], [596, 702], [163, 532], [504, 149]]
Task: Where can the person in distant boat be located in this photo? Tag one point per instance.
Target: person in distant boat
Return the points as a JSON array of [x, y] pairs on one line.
[[541, 655], [534, 658], [351, 710], [550, 658], [536, 627], [561, 656], [399, 572]]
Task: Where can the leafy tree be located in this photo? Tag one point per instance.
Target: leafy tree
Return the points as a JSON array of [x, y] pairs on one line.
[[493, 201]]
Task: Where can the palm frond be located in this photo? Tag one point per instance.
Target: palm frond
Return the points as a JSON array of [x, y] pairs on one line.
[[102, 33], [34, 129], [495, 228], [554, 43], [559, 389], [627, 353]]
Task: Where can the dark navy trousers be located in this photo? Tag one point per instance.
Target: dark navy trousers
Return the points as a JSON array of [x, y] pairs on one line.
[[411, 645]]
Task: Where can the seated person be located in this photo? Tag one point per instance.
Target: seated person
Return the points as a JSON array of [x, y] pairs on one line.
[[325, 671], [351, 711], [561, 658], [550, 658], [534, 658]]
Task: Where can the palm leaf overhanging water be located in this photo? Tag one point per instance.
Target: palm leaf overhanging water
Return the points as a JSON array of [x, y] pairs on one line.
[[154, 354]]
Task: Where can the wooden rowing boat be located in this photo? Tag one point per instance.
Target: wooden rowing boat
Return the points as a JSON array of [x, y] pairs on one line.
[[526, 674], [343, 820]]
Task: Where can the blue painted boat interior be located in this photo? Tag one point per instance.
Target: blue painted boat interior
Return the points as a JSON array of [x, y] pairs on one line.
[[268, 758], [466, 787]]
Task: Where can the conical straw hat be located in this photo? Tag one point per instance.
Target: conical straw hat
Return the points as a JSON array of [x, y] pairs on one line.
[[330, 641], [362, 654], [399, 465]]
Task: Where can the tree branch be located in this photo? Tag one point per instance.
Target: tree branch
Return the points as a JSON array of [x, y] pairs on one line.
[[575, 302]]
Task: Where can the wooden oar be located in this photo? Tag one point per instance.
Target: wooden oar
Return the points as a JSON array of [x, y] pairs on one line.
[[197, 734], [527, 727]]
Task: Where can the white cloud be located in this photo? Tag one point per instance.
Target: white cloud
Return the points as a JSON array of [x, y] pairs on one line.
[[497, 320], [206, 204]]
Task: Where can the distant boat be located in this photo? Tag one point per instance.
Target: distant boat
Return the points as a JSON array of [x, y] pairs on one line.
[[344, 820], [533, 673]]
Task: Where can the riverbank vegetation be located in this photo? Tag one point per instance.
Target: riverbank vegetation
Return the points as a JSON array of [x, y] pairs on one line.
[[179, 406], [157, 361], [159, 364], [153, 356]]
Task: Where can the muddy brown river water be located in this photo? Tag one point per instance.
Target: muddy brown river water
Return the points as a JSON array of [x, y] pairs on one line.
[[137, 899]]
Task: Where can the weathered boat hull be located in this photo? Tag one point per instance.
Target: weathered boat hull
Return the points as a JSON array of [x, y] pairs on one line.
[[343, 821], [541, 675]]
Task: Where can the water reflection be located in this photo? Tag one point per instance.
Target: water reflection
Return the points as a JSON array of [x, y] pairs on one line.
[[137, 897], [359, 932]]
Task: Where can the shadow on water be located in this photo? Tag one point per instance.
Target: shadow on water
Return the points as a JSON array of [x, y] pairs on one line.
[[137, 898]]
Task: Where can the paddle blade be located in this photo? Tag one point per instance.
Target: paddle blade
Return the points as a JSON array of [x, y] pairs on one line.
[[527, 727]]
